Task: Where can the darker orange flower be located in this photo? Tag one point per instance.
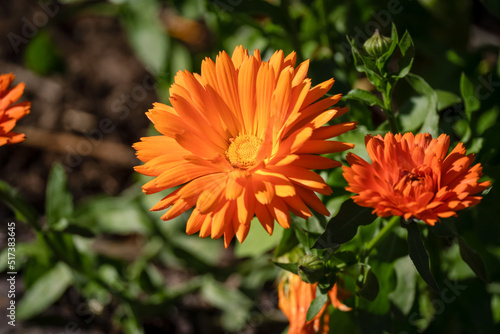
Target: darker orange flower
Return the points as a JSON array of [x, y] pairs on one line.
[[411, 176], [9, 113], [240, 139], [295, 296]]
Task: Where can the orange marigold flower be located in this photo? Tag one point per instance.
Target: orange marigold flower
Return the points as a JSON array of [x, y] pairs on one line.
[[295, 296], [10, 114], [411, 176], [240, 138]]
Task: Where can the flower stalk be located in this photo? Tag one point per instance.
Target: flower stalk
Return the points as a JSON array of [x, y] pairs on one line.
[[384, 232]]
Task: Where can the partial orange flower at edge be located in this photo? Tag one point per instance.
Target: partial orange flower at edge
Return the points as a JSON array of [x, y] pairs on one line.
[[295, 296], [411, 176], [240, 139], [10, 114]]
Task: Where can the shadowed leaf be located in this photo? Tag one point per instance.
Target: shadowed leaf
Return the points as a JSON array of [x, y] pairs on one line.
[[419, 256], [344, 225]]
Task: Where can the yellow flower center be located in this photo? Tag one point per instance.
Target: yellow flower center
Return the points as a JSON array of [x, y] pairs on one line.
[[243, 151]]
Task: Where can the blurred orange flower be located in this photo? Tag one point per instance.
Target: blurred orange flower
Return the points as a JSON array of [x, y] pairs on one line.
[[411, 176], [10, 114], [295, 296], [241, 138]]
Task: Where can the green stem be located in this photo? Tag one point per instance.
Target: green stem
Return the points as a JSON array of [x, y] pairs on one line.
[[389, 113], [325, 40], [382, 234]]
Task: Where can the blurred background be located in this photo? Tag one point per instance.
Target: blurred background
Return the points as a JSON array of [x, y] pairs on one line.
[[93, 68]]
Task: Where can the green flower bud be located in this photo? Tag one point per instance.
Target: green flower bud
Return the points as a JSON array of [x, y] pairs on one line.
[[377, 45], [311, 269]]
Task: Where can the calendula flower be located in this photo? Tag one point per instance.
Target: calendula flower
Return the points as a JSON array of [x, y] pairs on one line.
[[295, 296], [411, 176], [10, 113], [240, 139]]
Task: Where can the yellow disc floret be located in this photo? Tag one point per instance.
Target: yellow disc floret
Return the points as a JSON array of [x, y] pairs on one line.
[[243, 150]]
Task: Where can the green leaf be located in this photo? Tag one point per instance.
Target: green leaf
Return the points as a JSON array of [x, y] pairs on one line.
[[291, 267], [368, 287], [46, 290], [258, 240], [487, 119], [365, 64], [408, 52], [364, 96], [473, 260], [403, 295], [234, 304], [23, 210], [77, 230], [419, 256], [446, 99], [471, 102], [431, 121], [118, 215], [356, 55], [413, 113], [344, 225], [303, 235], [341, 259], [447, 229], [59, 203], [316, 305], [42, 56], [146, 34], [129, 321], [382, 60]]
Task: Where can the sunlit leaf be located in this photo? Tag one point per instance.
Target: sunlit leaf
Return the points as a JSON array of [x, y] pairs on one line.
[[316, 305], [363, 96], [234, 303], [383, 59], [407, 53], [59, 202], [446, 99], [428, 106], [146, 34], [46, 290], [471, 101], [403, 295]]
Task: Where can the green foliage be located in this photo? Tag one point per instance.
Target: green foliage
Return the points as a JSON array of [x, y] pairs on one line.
[[59, 204], [44, 292], [23, 210], [120, 258], [419, 256], [316, 305], [42, 55], [344, 225]]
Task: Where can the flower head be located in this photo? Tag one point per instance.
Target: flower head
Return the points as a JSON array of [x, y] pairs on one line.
[[240, 139], [295, 296], [411, 176], [377, 45], [10, 113]]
